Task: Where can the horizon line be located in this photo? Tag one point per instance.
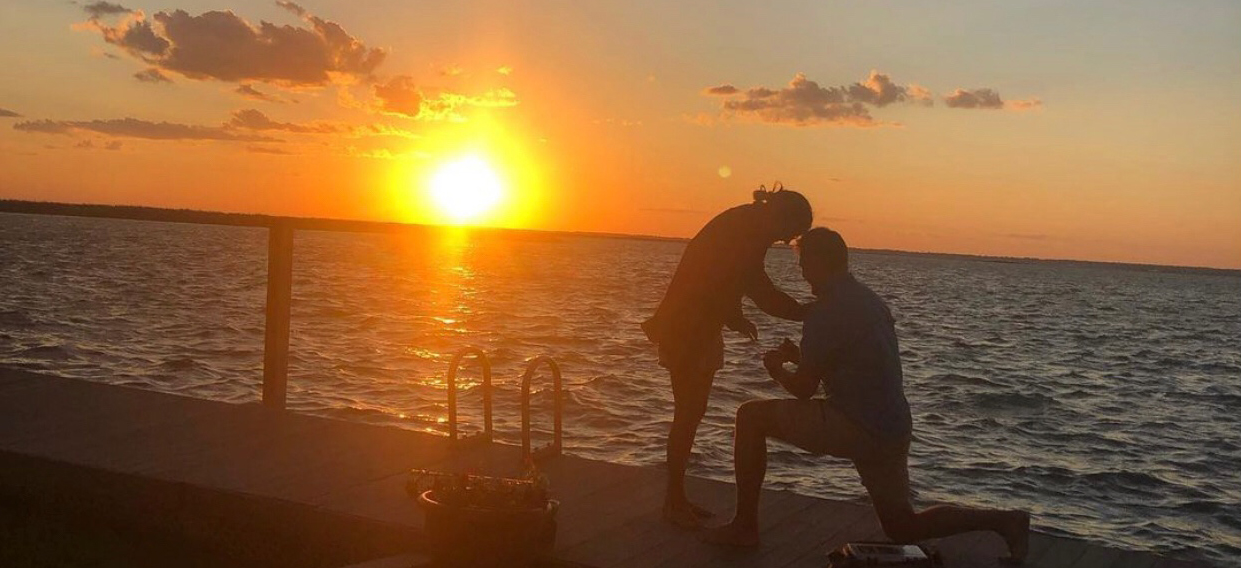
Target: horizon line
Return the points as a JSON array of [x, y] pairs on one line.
[[238, 218]]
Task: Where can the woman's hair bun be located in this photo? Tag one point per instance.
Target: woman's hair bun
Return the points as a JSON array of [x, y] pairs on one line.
[[763, 195]]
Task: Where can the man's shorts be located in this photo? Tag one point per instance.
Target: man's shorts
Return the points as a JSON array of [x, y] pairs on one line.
[[818, 427]]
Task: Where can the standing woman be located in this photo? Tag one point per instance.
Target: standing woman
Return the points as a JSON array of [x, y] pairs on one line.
[[724, 262]]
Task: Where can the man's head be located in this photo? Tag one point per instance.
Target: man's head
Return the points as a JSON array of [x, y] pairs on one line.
[[786, 213], [823, 255]]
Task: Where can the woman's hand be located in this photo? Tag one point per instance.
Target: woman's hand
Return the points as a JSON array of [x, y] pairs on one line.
[[745, 327]]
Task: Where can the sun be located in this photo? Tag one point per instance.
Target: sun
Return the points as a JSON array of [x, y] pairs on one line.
[[466, 189]]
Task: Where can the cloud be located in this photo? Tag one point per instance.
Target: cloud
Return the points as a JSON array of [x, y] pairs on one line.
[[974, 98], [920, 95], [805, 103], [136, 128], [224, 47], [88, 145], [802, 103], [98, 10], [252, 119], [152, 75], [253, 94], [504, 70], [296, 9], [266, 150], [1021, 105], [723, 90], [401, 96], [6, 113], [986, 98]]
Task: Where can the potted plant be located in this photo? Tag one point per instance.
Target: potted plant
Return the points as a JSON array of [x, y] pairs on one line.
[[478, 520]]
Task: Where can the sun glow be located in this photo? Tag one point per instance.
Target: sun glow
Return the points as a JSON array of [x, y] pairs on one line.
[[466, 189]]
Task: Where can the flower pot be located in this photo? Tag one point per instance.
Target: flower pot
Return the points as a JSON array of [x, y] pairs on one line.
[[478, 537]]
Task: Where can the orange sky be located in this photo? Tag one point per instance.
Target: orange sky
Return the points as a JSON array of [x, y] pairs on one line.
[[1104, 131]]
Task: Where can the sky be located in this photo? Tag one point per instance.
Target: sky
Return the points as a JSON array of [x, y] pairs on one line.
[[1086, 130]]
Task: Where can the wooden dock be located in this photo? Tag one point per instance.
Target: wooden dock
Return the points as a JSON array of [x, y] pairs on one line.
[[271, 484]]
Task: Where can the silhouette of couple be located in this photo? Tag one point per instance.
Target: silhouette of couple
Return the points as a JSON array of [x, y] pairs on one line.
[[848, 346]]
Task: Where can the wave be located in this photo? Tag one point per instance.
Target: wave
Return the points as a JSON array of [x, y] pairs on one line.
[[15, 319], [1013, 401], [46, 352]]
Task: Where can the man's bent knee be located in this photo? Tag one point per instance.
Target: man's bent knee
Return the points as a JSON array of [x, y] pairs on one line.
[[756, 414]]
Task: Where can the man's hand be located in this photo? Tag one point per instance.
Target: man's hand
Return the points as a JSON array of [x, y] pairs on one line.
[[792, 353], [745, 327], [774, 361]]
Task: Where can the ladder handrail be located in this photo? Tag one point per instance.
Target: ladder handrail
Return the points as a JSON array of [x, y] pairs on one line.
[[481, 356], [554, 448]]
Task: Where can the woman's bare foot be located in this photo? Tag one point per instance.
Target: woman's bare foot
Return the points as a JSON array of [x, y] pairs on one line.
[[700, 512], [1016, 533], [685, 515], [731, 534]]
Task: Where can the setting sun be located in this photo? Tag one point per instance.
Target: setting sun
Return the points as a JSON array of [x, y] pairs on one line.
[[465, 189]]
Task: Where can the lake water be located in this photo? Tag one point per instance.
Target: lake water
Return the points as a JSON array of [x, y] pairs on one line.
[[1105, 399]]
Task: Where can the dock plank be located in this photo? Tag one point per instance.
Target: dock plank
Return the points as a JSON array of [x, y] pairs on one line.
[[1062, 553], [1097, 557], [1134, 559]]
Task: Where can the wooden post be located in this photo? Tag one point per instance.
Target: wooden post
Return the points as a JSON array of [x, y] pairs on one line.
[[279, 298]]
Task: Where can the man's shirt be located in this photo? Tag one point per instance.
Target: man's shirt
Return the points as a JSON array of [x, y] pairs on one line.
[[849, 343]]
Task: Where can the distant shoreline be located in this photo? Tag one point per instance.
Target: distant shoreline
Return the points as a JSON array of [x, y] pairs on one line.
[[194, 216]]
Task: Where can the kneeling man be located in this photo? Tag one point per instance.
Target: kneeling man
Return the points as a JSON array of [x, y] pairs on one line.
[[849, 346]]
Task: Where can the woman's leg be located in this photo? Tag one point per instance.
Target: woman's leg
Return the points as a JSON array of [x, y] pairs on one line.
[[690, 391]]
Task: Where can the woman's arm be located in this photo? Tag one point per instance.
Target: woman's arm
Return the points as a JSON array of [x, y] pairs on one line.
[[771, 299]]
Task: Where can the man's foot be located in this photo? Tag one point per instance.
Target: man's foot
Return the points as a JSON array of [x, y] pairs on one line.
[[731, 534], [685, 515], [1016, 533]]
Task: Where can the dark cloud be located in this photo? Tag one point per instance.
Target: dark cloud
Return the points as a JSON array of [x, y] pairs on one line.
[[98, 10], [985, 98], [223, 46], [152, 75], [805, 103], [974, 98], [252, 119], [6, 113], [135, 128], [136, 36], [401, 96], [296, 9], [266, 150], [253, 94], [721, 90], [89, 145]]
